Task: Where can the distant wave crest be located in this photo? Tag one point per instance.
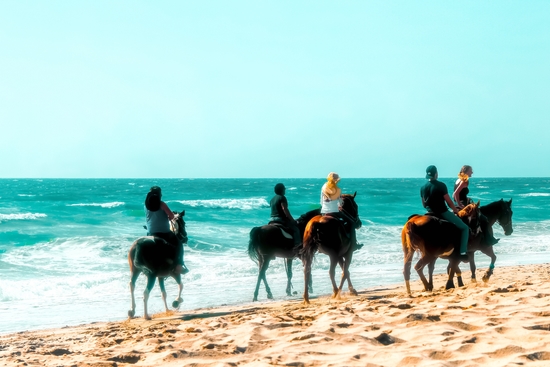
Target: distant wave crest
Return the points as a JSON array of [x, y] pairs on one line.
[[22, 216], [102, 205], [531, 194], [242, 204]]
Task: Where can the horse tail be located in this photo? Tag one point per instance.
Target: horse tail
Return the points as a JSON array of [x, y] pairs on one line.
[[409, 239], [310, 245], [131, 256], [253, 244]]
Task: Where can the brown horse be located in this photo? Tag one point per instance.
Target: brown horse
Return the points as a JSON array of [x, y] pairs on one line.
[[156, 258], [268, 242], [434, 238], [497, 212], [327, 235]]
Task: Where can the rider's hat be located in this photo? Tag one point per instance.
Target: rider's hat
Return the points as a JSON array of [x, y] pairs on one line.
[[431, 171]]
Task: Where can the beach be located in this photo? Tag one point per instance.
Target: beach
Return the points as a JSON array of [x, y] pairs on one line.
[[503, 322]]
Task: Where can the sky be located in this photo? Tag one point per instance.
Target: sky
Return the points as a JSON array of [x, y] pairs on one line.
[[220, 89]]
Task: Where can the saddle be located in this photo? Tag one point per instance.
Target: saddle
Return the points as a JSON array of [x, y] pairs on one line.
[[284, 229], [346, 225]]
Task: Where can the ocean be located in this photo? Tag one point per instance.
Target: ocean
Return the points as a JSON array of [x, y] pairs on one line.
[[64, 242]]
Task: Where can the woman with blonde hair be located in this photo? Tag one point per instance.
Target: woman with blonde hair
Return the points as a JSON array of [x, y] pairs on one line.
[[460, 196], [331, 201]]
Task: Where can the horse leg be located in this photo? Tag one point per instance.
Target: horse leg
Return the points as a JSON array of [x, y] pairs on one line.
[[260, 266], [331, 273], [453, 264], [407, 272], [151, 279], [163, 293], [178, 301], [288, 277], [488, 250], [262, 272], [431, 267], [134, 276], [345, 264], [419, 267], [307, 276], [472, 265]]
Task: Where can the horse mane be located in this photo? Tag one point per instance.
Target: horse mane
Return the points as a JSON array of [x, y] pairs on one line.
[[468, 210]]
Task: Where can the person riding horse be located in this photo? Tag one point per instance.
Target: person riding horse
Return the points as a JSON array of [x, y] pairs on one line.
[[460, 196], [435, 199], [331, 202], [158, 216], [281, 215]]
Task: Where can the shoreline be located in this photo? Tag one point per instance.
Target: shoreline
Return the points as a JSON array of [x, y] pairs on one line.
[[493, 324]]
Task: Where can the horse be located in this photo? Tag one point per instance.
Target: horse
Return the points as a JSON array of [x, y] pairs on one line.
[[434, 238], [267, 242], [156, 258], [327, 235], [497, 212]]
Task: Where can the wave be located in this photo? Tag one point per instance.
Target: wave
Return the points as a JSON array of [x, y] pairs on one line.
[[532, 194], [242, 204], [29, 195], [22, 216], [103, 205]]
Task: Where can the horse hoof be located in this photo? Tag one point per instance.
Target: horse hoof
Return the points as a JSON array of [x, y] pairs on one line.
[[147, 317], [353, 292], [485, 278], [177, 303], [269, 296], [131, 314], [294, 293]]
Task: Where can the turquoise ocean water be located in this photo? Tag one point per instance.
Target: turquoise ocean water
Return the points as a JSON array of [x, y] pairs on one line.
[[64, 242]]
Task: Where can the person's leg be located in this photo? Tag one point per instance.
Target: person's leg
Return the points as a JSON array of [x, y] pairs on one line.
[[464, 230], [295, 234]]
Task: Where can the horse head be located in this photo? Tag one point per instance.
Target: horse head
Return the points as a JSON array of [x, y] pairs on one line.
[[505, 217], [177, 225], [350, 208], [470, 214]]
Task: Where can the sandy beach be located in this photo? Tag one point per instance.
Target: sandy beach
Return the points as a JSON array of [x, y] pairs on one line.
[[505, 322]]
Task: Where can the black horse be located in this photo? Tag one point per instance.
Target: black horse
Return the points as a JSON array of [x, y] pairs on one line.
[[497, 212], [327, 235], [267, 242], [156, 258]]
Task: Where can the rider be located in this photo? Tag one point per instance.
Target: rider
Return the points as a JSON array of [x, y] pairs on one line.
[[158, 217], [434, 195], [331, 202], [460, 196], [281, 214]]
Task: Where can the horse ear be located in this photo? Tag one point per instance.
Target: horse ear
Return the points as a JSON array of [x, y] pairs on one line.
[[354, 194], [510, 202], [478, 203]]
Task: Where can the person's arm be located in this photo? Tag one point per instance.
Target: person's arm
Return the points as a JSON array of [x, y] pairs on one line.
[[456, 194], [167, 210], [284, 205], [450, 203]]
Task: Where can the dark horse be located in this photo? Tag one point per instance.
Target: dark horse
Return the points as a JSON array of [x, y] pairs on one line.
[[268, 242], [497, 212], [156, 258], [434, 238], [327, 235]]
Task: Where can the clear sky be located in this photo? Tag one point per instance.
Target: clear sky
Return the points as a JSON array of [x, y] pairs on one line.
[[274, 88]]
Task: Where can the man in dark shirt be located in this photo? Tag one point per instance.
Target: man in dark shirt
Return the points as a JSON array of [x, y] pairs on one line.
[[280, 213], [435, 199]]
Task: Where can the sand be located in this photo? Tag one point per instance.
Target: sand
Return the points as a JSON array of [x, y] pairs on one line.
[[505, 322]]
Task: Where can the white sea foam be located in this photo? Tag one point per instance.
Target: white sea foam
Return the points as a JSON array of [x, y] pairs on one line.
[[21, 216], [29, 195], [102, 205], [534, 194], [243, 204]]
